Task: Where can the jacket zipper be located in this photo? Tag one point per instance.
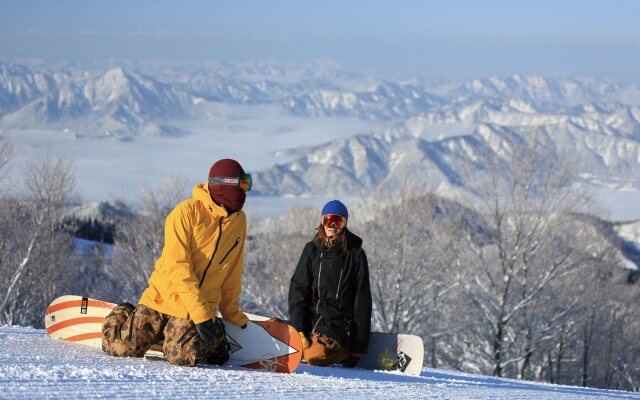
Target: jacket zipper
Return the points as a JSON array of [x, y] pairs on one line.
[[230, 250], [339, 281], [215, 250], [318, 303]]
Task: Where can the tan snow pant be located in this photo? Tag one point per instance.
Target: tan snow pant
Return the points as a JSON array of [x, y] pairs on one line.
[[130, 332], [324, 351]]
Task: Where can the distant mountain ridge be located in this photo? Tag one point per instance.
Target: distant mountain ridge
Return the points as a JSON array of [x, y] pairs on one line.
[[117, 100], [602, 152], [439, 132]]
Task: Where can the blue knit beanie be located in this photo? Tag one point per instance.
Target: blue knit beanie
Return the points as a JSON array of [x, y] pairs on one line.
[[335, 207]]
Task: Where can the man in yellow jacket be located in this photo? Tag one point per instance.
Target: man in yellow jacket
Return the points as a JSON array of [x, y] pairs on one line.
[[199, 272]]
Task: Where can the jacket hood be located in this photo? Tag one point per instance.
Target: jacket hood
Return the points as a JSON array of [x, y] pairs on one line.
[[201, 192], [353, 241]]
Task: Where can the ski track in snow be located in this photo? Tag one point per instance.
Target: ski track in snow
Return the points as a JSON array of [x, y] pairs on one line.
[[34, 366]]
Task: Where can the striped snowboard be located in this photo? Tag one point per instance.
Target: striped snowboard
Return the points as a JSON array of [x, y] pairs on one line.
[[264, 344]]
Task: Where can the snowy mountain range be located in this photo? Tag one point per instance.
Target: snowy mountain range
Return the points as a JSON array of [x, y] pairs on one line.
[[113, 102], [439, 132], [604, 148], [48, 94]]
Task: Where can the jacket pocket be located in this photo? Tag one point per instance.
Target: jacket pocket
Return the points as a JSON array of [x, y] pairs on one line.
[[237, 242]]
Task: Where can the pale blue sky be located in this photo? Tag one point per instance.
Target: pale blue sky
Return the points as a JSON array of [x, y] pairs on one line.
[[399, 39]]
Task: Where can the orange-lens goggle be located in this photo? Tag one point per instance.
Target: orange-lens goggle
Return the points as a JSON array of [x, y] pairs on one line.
[[334, 221], [243, 181]]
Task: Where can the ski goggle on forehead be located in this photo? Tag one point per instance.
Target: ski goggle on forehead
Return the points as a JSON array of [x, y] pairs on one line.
[[243, 181], [334, 221]]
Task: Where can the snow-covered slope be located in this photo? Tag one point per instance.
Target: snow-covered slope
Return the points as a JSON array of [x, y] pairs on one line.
[[35, 366]]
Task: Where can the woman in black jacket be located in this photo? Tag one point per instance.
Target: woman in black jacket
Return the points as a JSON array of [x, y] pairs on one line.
[[329, 296]]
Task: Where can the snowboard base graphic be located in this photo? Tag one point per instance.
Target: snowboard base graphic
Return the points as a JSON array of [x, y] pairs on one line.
[[263, 344], [394, 352]]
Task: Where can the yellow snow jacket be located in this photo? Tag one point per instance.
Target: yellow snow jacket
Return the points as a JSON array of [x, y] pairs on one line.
[[200, 268]]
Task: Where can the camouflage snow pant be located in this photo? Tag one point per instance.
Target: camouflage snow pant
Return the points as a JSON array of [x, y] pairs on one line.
[[130, 332], [324, 351]]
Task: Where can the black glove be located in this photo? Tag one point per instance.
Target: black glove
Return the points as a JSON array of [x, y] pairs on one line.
[[221, 354], [352, 362], [208, 331]]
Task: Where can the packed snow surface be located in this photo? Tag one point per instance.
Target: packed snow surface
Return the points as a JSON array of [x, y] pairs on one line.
[[34, 366]]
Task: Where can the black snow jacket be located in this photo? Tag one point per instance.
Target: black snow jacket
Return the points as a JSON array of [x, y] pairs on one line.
[[330, 293]]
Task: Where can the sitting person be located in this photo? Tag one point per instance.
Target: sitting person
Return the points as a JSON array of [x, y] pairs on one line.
[[199, 272], [329, 294]]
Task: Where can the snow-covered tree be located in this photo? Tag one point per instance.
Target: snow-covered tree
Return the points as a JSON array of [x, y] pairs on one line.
[[139, 239], [36, 255]]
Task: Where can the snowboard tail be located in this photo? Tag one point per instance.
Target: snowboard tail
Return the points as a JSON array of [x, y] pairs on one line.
[[264, 344], [394, 352], [85, 327]]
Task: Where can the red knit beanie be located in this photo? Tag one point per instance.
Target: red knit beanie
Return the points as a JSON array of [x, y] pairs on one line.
[[232, 197]]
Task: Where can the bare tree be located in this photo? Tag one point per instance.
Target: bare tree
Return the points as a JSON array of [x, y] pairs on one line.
[[528, 206], [36, 252], [139, 239], [606, 327], [271, 255], [270, 259], [6, 149], [409, 251]]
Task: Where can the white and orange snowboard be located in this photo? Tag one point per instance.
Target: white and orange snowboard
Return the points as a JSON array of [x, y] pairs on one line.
[[264, 344]]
